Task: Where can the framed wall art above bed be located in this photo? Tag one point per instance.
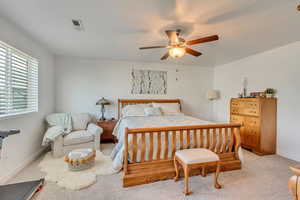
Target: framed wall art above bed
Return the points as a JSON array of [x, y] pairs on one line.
[[148, 82]]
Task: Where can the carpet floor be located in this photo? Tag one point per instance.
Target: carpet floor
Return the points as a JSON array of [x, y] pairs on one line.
[[262, 178]]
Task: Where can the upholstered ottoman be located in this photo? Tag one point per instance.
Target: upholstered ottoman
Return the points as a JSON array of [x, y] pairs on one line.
[[195, 158], [81, 159]]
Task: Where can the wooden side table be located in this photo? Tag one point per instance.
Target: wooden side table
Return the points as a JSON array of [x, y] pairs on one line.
[[108, 127]]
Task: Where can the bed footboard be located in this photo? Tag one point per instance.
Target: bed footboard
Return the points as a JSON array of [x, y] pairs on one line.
[[149, 152]]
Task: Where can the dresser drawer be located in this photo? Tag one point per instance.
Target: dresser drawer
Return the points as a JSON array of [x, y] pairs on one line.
[[252, 122], [235, 103], [237, 119], [252, 125], [235, 110], [251, 108], [236, 107], [107, 127], [251, 131], [249, 140]]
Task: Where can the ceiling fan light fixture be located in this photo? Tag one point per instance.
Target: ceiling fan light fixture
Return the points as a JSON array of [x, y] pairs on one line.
[[178, 46], [176, 52]]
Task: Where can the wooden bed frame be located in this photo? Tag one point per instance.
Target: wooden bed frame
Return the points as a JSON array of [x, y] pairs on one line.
[[159, 167]]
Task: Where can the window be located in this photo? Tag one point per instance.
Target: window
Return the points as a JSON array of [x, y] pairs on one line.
[[18, 82]]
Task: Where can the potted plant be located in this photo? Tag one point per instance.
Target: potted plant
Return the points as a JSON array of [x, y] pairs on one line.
[[270, 92]]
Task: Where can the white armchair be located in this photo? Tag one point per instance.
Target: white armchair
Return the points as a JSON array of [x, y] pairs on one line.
[[84, 134]]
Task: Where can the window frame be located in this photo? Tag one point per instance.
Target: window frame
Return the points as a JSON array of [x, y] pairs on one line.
[[31, 77]]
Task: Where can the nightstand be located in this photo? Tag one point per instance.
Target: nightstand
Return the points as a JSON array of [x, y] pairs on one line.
[[108, 127]]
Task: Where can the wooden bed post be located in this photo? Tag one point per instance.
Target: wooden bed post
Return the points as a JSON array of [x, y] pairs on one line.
[[126, 152], [237, 137], [119, 108]]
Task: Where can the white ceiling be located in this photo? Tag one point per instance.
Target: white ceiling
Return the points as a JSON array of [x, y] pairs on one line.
[[114, 29]]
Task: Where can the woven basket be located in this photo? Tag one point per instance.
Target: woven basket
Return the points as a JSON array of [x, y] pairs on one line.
[[83, 162]]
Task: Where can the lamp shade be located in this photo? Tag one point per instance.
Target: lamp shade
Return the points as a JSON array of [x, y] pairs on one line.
[[213, 94], [103, 101]]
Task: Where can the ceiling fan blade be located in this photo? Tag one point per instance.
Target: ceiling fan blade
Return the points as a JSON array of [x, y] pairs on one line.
[[172, 35], [165, 56], [203, 40], [193, 52], [153, 47]]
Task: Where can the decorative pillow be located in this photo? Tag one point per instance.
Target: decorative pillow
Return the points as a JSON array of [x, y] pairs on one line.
[[151, 111], [168, 108], [136, 110], [80, 121]]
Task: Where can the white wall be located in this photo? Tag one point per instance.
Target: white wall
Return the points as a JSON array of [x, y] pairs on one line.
[[80, 83], [19, 150], [278, 68]]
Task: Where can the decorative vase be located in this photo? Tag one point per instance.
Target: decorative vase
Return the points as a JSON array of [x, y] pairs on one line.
[[269, 95]]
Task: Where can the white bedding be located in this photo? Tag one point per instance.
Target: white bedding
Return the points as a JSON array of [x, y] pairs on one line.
[[147, 122]]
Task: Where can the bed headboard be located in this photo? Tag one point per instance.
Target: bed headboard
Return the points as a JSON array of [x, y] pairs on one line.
[[124, 102]]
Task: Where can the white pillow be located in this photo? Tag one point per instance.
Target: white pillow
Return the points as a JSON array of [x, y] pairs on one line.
[[151, 111], [136, 110], [80, 121], [168, 108]]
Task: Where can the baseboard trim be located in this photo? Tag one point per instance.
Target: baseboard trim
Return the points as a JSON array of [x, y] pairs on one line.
[[21, 166]]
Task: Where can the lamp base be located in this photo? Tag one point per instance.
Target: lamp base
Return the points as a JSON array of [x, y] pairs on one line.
[[102, 119]]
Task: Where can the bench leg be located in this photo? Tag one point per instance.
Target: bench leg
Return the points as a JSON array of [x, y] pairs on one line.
[[186, 181], [176, 169], [217, 185]]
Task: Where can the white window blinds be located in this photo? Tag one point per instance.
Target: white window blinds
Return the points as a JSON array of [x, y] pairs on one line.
[[18, 82]]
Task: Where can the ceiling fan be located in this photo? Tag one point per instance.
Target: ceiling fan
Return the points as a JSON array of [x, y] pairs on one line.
[[178, 46]]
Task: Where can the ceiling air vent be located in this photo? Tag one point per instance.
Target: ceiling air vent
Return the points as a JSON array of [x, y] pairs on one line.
[[77, 24]]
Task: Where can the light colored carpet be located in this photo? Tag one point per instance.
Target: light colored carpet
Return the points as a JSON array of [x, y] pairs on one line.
[[262, 178], [57, 171]]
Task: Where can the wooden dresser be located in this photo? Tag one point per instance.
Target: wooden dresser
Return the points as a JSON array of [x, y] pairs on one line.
[[258, 119]]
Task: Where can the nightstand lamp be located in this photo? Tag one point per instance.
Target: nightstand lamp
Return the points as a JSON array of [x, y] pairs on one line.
[[102, 102], [213, 95]]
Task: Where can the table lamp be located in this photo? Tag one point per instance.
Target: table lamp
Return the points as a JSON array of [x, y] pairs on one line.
[[102, 102], [213, 94]]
